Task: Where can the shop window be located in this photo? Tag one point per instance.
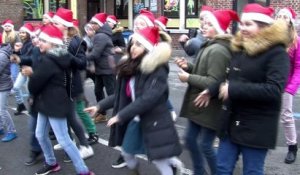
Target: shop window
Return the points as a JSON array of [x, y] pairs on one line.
[[171, 8], [121, 10], [55, 4], [33, 9], [191, 8]]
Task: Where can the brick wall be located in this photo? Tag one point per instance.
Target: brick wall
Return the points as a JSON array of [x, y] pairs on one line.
[[220, 4], [12, 9]]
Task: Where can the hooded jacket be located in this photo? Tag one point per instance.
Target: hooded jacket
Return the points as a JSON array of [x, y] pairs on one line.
[[6, 82], [102, 53], [257, 76], [49, 84], [151, 93]]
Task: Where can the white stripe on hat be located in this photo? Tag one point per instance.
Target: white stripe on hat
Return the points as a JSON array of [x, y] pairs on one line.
[[160, 24], [62, 21], [211, 17], [287, 13], [146, 19], [97, 21], [8, 24], [111, 20], [26, 30], [143, 41], [257, 17], [47, 38]]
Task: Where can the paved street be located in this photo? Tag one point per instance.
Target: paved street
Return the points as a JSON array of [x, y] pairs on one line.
[[13, 154]]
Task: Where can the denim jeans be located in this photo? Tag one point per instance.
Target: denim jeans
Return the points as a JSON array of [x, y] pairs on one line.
[[59, 126], [5, 117], [228, 153], [35, 146], [20, 81], [199, 142], [14, 69]]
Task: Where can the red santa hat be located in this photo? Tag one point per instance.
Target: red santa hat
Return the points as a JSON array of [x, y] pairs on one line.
[[256, 12], [99, 18], [8, 22], [147, 16], [162, 21], [27, 27], [64, 16], [221, 19], [205, 10], [49, 15], [75, 23], [51, 34], [148, 37], [288, 11], [113, 19]]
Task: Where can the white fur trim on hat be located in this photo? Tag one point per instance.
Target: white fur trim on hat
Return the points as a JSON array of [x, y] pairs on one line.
[[146, 19], [111, 20], [257, 17], [204, 13], [62, 21], [143, 41], [211, 17], [26, 30], [49, 17], [97, 21], [8, 24], [160, 24], [287, 13], [47, 38]]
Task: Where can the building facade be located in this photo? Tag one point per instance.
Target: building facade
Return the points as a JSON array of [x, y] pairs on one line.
[[183, 14]]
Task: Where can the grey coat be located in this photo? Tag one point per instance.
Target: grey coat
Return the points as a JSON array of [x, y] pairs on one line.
[[6, 82]]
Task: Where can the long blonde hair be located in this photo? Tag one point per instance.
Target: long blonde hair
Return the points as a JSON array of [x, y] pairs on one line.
[[293, 36], [9, 37]]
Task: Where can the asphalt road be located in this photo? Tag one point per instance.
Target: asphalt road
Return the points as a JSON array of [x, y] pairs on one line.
[[13, 154]]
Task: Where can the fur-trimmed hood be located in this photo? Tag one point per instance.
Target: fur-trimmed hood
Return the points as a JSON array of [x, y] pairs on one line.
[[164, 36], [60, 56], [275, 34], [158, 56]]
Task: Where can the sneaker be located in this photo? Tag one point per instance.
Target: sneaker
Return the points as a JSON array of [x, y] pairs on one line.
[[20, 108], [99, 118], [9, 137], [120, 163], [57, 147], [67, 159], [93, 138], [174, 116], [48, 169], [2, 131], [216, 142], [32, 158], [177, 166], [86, 151]]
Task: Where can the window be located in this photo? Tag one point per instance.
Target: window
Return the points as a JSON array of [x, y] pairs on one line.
[[191, 8], [121, 10], [55, 4], [171, 8], [33, 9], [263, 2]]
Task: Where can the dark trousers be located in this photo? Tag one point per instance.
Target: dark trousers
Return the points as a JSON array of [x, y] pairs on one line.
[[107, 81]]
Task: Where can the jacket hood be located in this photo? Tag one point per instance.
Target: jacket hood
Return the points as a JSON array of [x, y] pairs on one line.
[[118, 29], [164, 36], [105, 29], [6, 49], [158, 56], [275, 34], [61, 57]]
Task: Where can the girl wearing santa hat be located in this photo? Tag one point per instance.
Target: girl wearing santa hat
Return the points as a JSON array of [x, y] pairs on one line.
[[50, 84], [208, 68], [140, 100], [252, 92], [63, 20], [287, 118]]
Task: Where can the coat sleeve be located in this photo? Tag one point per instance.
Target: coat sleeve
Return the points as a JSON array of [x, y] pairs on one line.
[[77, 50], [155, 86], [41, 75], [217, 61], [106, 103], [4, 60], [276, 75], [99, 44], [294, 81]]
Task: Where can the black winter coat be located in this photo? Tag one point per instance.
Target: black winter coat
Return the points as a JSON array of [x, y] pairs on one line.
[[48, 84]]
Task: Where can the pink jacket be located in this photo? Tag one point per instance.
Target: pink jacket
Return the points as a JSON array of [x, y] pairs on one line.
[[294, 75]]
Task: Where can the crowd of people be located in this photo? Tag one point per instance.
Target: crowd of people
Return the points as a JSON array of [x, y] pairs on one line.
[[239, 87]]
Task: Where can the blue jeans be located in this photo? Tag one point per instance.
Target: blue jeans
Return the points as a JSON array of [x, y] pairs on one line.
[[59, 126], [35, 146], [201, 148], [14, 69], [20, 81], [228, 153], [5, 117]]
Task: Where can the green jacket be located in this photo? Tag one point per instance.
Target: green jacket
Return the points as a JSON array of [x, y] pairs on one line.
[[208, 68]]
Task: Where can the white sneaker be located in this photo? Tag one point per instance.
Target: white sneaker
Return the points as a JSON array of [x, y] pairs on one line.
[[57, 147], [174, 116], [86, 151], [177, 166]]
